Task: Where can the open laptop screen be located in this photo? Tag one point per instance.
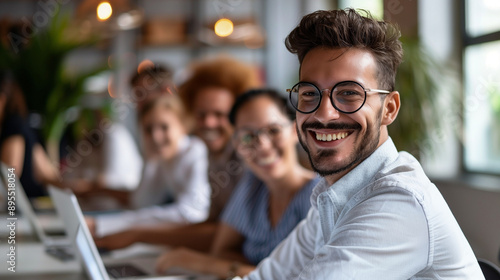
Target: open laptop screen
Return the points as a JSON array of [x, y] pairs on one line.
[[67, 206], [88, 255]]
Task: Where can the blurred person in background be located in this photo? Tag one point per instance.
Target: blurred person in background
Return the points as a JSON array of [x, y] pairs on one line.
[[102, 162], [113, 169], [270, 200], [208, 93], [174, 188], [19, 145], [151, 81]]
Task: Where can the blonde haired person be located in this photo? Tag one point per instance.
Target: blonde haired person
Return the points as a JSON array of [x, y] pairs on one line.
[[174, 188]]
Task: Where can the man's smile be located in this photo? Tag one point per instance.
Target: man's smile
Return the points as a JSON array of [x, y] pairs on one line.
[[330, 136]]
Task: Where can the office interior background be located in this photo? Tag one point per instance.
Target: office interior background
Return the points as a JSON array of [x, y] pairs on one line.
[[458, 49]]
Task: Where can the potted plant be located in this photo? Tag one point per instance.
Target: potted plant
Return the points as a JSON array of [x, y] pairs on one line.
[[421, 82], [38, 65]]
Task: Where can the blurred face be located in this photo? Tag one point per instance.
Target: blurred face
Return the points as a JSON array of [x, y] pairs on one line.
[[356, 135], [211, 109], [265, 139], [162, 132]]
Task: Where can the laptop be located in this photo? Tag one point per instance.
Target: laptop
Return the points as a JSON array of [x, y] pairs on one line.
[[57, 246], [69, 209]]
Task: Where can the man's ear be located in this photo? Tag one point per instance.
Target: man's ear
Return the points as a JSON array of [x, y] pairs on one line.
[[391, 108]]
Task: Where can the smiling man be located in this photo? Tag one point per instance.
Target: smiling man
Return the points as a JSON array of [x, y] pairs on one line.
[[375, 215]]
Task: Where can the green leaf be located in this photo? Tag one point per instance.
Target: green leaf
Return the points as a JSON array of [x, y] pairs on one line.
[[419, 81], [39, 69]]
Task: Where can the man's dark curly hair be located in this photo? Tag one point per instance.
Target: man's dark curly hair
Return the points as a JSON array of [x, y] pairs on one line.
[[349, 29]]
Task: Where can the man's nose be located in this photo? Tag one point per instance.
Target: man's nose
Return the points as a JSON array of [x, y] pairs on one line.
[[210, 120], [326, 112]]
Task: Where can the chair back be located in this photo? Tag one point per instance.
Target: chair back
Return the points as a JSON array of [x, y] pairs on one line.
[[489, 269]]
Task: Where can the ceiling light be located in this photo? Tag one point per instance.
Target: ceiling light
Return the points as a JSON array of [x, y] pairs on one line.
[[223, 27], [104, 11]]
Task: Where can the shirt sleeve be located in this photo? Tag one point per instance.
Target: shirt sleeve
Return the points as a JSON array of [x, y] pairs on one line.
[[290, 256], [191, 205], [374, 240]]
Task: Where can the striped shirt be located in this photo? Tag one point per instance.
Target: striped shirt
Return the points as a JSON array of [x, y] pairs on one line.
[[247, 212]]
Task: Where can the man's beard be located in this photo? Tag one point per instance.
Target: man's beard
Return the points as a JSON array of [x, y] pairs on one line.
[[365, 147]]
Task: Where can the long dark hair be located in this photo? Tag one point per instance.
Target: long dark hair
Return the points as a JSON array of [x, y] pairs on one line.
[[15, 103]]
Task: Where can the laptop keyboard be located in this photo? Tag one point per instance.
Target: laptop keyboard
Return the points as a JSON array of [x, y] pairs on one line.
[[124, 270], [63, 253]]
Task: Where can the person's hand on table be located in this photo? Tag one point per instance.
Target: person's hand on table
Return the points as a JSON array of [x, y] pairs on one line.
[[90, 221], [183, 258], [79, 187], [116, 241]]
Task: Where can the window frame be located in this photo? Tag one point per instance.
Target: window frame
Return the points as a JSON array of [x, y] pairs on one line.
[[467, 41]]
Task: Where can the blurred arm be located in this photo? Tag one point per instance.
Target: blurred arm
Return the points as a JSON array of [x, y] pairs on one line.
[[13, 149]]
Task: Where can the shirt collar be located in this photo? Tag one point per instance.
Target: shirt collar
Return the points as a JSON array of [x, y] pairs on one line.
[[184, 144], [359, 177]]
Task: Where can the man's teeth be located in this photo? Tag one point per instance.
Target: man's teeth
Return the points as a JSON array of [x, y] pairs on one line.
[[210, 135], [331, 137]]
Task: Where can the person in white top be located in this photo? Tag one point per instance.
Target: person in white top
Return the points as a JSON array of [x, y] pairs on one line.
[[375, 214], [174, 188]]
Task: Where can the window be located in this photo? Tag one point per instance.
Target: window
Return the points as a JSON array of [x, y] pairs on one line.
[[481, 56], [375, 7], [482, 17]]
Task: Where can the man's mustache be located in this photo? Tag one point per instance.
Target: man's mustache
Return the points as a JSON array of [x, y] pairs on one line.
[[335, 126]]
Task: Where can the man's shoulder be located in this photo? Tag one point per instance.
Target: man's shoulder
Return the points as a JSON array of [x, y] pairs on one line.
[[404, 166], [405, 174]]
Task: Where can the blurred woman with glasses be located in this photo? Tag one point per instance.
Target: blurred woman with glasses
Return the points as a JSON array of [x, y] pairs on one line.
[[268, 202]]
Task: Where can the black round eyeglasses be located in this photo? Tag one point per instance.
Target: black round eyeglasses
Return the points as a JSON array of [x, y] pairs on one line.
[[347, 97]]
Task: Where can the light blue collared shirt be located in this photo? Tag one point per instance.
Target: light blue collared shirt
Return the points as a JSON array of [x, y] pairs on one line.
[[382, 220]]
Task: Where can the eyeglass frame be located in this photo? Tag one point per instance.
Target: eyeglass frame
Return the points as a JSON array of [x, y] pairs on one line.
[[366, 90], [257, 133]]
